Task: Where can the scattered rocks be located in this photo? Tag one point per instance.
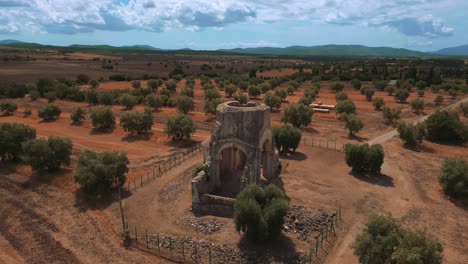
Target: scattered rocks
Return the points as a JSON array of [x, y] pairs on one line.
[[204, 225], [306, 222]]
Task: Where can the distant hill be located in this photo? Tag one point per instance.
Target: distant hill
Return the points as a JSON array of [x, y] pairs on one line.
[[332, 50], [9, 41], [453, 51]]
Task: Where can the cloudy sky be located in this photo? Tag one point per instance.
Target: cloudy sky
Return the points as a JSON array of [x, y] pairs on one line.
[[211, 24]]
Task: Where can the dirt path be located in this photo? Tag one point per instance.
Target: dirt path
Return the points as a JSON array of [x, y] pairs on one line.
[[390, 134]]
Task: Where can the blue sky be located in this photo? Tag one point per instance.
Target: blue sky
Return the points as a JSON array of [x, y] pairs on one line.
[[210, 24]]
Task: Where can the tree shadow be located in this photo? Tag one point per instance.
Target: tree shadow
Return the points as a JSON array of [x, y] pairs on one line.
[[96, 132], [45, 177], [182, 143], [380, 179], [84, 201], [311, 130], [279, 250], [78, 123], [135, 138], [299, 156], [48, 120], [357, 138]]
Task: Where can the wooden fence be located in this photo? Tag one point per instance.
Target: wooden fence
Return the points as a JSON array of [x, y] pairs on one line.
[[326, 143]]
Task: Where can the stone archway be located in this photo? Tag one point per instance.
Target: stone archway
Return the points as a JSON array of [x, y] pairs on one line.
[[267, 152], [232, 161]]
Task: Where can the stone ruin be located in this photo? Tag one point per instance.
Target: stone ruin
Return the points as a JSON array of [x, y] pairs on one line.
[[241, 150]]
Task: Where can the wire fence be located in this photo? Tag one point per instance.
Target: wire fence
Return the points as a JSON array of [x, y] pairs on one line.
[[193, 250], [326, 143], [162, 167]]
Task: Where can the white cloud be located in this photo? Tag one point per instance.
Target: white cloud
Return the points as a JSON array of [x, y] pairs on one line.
[[410, 17]]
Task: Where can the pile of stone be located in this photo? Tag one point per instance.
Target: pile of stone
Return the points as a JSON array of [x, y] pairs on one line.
[[306, 222], [204, 225]]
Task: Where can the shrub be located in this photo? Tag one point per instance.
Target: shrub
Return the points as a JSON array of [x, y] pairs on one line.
[[180, 126], [417, 105], [281, 93], [185, 104], [391, 114], [48, 153], [439, 100], [82, 78], [240, 97], [94, 84], [105, 98], [364, 159], [154, 102], [401, 95], [363, 90], [27, 112], [154, 84], [92, 96], [390, 89], [297, 115], [421, 93], [286, 138], [337, 87], [356, 83], [445, 126], [464, 108], [49, 112], [77, 114], [99, 173], [50, 96], [272, 101], [380, 85], [171, 86], [290, 89], [411, 134], [265, 87], [352, 123], [254, 91], [187, 91], [12, 135], [137, 122], [34, 95], [345, 106], [453, 93], [311, 92], [378, 102], [341, 96], [260, 212], [211, 105], [102, 117], [164, 91], [384, 240], [8, 107], [369, 93], [136, 84], [454, 178], [230, 90], [128, 100], [421, 85], [211, 94]]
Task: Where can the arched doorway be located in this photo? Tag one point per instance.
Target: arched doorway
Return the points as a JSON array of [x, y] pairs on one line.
[[231, 168], [265, 160]]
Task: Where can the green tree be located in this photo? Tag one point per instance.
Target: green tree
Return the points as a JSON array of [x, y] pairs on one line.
[[260, 212], [128, 100], [105, 98], [391, 114], [281, 93], [137, 122], [454, 178], [171, 86], [421, 93], [49, 112], [390, 89], [352, 123], [7, 107], [254, 91], [12, 135], [100, 173], [337, 87], [180, 126], [364, 159], [92, 96], [341, 96], [380, 85], [77, 114], [453, 93], [240, 97], [417, 105], [445, 126], [297, 115], [153, 101], [401, 95], [211, 94], [27, 112], [185, 104], [48, 153], [211, 105], [102, 117], [411, 134], [369, 94], [378, 103], [154, 84], [439, 100], [421, 85], [82, 78], [230, 90], [287, 138], [356, 83], [187, 91], [345, 106], [272, 101], [136, 84]]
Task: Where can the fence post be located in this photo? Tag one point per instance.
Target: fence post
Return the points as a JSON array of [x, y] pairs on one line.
[[146, 237], [141, 181], [327, 143], [134, 184], [136, 236], [340, 212], [209, 255], [316, 246], [183, 249], [128, 187], [196, 253], [170, 245], [159, 249]]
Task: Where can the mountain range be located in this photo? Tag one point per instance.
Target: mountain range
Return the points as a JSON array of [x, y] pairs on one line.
[[323, 50]]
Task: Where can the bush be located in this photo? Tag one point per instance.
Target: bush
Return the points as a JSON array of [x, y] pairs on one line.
[[77, 114], [286, 138], [49, 112], [369, 93], [259, 213], [154, 84], [453, 93], [454, 178], [102, 117], [154, 102], [171, 86], [356, 83], [341, 96], [384, 240], [137, 122], [391, 114], [105, 98], [363, 90], [48, 153], [211, 94], [272, 101], [311, 92], [401, 95], [380, 85], [390, 89], [230, 90], [187, 91], [378, 102], [281, 93], [185, 104], [211, 105], [417, 105], [297, 115], [337, 87], [254, 91], [82, 78], [464, 108], [445, 126], [99, 173], [12, 135], [345, 106], [421, 93], [352, 123], [240, 97], [180, 126], [50, 96], [27, 112], [128, 100], [421, 85], [439, 100], [7, 107], [92, 97], [136, 84], [364, 159], [411, 134], [94, 84]]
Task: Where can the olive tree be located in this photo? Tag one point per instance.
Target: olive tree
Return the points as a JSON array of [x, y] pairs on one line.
[[12, 135], [240, 97], [102, 117], [8, 107], [77, 114], [417, 105], [48, 153], [287, 138], [401, 95], [153, 101], [180, 126], [272, 101], [352, 123], [184, 104], [411, 134], [378, 103], [137, 122], [446, 126], [297, 115], [128, 100], [49, 112], [454, 178], [364, 159], [345, 106], [391, 114]]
